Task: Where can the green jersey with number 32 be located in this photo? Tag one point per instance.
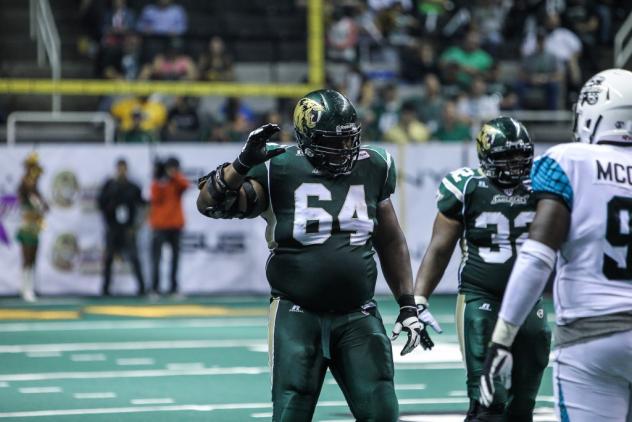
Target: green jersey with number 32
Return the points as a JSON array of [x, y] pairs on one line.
[[495, 224], [320, 228]]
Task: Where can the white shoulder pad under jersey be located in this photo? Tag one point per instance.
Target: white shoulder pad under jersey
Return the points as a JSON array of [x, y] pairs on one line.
[[594, 269]]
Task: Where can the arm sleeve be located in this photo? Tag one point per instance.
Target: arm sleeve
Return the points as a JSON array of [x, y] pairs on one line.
[[548, 177], [527, 281]]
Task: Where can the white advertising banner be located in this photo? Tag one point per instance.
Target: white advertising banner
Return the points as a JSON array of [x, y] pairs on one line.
[[217, 256]]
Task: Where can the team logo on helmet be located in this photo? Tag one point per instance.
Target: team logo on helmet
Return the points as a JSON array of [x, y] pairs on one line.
[[591, 90], [307, 113], [486, 137]]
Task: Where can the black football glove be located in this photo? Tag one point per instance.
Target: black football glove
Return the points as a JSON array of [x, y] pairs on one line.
[[255, 152], [408, 320], [498, 363]]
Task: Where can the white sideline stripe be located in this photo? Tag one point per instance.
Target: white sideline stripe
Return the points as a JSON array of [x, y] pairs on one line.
[[185, 365], [410, 386], [39, 390], [4, 384], [261, 415], [128, 345], [203, 408], [87, 357], [135, 345], [149, 373], [43, 354], [166, 400], [135, 361], [139, 373], [457, 393], [131, 324], [104, 395]]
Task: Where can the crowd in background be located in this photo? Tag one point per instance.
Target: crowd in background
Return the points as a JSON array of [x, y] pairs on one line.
[[457, 63]]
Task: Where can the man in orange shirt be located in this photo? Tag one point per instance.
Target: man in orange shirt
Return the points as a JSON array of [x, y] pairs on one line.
[[166, 217]]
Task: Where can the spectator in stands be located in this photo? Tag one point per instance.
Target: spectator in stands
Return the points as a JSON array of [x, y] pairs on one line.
[[33, 207], [140, 118], [431, 104], [452, 126], [582, 17], [462, 63], [216, 64], [488, 16], [166, 218], [477, 105], [117, 21], [286, 135], [386, 108], [124, 64], [237, 121], [120, 202], [563, 43], [183, 121], [540, 71], [164, 18], [173, 65], [342, 36], [418, 60], [408, 128]]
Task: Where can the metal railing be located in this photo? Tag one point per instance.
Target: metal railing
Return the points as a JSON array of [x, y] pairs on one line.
[[109, 125], [623, 43], [44, 31]]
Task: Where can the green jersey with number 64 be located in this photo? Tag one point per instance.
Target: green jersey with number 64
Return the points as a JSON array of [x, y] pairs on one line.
[[320, 228], [495, 224]]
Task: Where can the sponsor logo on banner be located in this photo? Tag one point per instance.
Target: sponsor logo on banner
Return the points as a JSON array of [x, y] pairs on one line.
[[65, 189], [65, 252]]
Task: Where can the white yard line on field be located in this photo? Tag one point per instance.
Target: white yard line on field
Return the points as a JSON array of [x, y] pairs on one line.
[[87, 357], [96, 395], [207, 407], [135, 361], [40, 390], [132, 324], [165, 400]]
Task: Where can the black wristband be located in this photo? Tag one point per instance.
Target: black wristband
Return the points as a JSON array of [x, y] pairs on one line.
[[240, 167], [406, 300]]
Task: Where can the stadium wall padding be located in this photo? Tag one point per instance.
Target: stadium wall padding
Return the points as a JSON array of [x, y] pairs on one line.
[[218, 256]]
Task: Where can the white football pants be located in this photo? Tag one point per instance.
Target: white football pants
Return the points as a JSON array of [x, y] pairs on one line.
[[593, 380]]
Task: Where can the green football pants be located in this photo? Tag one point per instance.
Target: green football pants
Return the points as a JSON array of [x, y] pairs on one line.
[[476, 318], [354, 346]]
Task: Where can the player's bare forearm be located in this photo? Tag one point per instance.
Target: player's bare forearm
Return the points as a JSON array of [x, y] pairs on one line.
[[551, 223], [445, 235], [392, 249]]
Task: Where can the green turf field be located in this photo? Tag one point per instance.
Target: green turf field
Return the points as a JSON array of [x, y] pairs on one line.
[[190, 360]]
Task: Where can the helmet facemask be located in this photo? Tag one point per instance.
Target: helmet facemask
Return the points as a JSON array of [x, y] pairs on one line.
[[508, 166], [333, 154]]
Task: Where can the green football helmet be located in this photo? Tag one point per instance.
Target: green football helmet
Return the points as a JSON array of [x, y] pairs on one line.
[[505, 151], [328, 131]]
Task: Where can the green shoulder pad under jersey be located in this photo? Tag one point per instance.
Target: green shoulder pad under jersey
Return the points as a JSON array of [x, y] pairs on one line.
[[384, 161], [452, 190]]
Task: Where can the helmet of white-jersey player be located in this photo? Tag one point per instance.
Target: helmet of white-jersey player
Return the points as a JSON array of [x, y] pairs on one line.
[[328, 131], [505, 151], [603, 112]]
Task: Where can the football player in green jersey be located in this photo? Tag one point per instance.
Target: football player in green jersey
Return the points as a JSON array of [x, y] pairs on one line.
[[326, 202], [489, 210]]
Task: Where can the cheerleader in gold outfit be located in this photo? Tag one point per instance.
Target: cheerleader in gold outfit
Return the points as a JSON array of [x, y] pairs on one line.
[[32, 207]]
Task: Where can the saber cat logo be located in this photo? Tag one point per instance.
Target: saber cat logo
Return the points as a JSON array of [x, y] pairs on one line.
[[307, 113], [485, 138]]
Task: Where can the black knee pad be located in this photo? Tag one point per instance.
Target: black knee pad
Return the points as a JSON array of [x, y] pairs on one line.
[[479, 413]]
